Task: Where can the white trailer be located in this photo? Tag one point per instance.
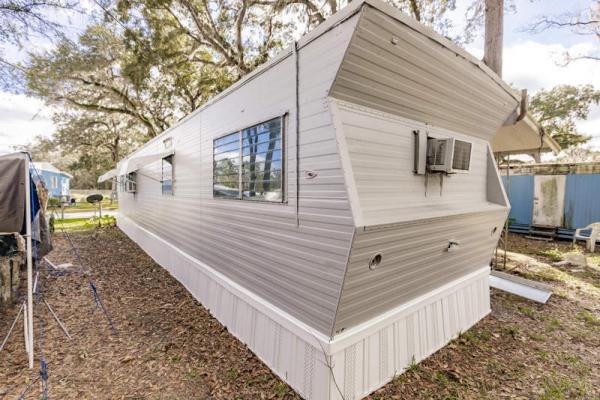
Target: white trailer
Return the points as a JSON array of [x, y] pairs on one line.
[[337, 208]]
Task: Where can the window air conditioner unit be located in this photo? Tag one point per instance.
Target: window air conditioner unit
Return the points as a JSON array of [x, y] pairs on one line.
[[448, 155]]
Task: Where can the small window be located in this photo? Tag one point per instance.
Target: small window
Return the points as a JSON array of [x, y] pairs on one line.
[[248, 165], [131, 182], [54, 182], [167, 175]]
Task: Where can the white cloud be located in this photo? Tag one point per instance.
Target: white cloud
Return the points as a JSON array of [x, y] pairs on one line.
[[534, 66], [21, 119]]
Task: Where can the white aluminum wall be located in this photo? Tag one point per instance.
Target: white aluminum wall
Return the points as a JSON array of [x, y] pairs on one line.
[[395, 68], [296, 255], [296, 261], [409, 219], [378, 148]]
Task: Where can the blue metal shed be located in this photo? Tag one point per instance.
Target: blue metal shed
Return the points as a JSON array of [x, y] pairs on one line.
[[57, 182], [574, 198]]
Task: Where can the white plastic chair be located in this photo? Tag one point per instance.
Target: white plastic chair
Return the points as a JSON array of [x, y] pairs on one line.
[[591, 240]]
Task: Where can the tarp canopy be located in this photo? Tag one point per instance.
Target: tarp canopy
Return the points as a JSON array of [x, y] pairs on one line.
[[135, 163], [12, 192], [13, 180], [524, 137], [108, 175]]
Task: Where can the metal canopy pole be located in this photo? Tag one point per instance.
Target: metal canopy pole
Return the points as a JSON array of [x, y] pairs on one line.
[[508, 216], [29, 262]]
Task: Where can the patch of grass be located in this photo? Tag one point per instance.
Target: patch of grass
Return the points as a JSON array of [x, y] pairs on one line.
[[495, 367], [528, 311], [588, 318], [413, 366], [561, 388], [577, 364], [281, 389], [176, 359], [484, 335], [553, 324], [544, 355], [82, 205], [441, 378], [232, 374], [511, 330], [538, 337], [193, 375], [467, 337], [507, 303], [82, 224], [553, 254]]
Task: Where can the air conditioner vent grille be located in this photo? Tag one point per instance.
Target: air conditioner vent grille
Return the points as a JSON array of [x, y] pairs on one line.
[[462, 155]]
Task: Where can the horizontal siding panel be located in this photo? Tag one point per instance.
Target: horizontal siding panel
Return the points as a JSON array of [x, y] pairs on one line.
[[293, 257], [420, 60], [414, 261], [418, 79], [380, 150]]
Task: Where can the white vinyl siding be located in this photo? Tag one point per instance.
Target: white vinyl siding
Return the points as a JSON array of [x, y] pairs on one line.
[[391, 67], [292, 254], [379, 150], [306, 255]]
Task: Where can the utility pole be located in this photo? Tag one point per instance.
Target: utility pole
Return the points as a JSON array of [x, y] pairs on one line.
[[494, 32]]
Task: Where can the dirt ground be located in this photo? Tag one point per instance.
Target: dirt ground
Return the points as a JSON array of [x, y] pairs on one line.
[[167, 346]]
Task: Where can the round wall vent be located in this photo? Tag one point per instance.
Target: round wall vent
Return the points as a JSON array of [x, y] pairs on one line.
[[375, 261]]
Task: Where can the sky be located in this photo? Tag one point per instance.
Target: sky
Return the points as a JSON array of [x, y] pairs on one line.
[[531, 61]]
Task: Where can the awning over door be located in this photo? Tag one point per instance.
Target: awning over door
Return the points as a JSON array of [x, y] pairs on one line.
[[108, 175], [524, 137]]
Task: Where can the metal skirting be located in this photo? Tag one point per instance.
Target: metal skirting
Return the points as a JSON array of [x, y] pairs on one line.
[[353, 363]]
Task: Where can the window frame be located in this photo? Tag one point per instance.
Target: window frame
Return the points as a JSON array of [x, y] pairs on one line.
[[240, 140], [54, 182], [472, 145], [170, 192], [131, 184]]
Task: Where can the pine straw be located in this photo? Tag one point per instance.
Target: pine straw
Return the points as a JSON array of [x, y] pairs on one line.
[[169, 347]]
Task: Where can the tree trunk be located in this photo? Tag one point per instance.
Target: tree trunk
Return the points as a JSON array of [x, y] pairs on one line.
[[494, 31]]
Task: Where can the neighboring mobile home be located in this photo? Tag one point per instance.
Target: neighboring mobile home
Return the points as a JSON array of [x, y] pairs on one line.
[[56, 181], [337, 208], [553, 199]]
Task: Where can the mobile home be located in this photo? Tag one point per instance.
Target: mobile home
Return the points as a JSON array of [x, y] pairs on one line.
[[552, 199], [337, 208], [56, 181]]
